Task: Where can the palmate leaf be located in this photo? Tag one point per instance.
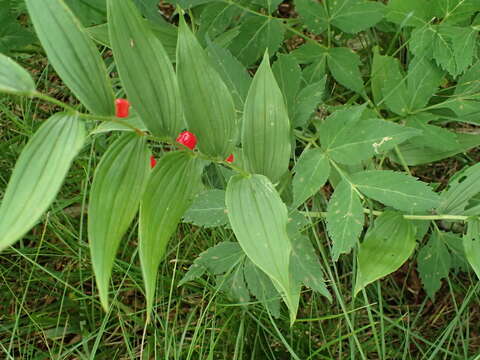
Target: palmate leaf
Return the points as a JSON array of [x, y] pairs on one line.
[[344, 64], [13, 78], [307, 101], [353, 16], [170, 190], [311, 173], [39, 174], [145, 70], [471, 245], [266, 127], [434, 262], [385, 248], [73, 54], [395, 189], [345, 219], [117, 188], [259, 220], [208, 105]]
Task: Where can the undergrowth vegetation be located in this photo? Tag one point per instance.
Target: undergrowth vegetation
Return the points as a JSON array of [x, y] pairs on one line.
[[252, 179]]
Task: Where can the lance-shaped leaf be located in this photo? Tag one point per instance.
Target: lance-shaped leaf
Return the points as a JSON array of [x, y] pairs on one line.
[[385, 248], [170, 190], [344, 219], [401, 191], [259, 220], [145, 69], [13, 78], [73, 54], [266, 127], [39, 174], [208, 105], [471, 244], [117, 187]]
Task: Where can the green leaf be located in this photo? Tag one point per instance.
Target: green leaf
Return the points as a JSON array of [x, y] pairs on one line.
[[262, 287], [13, 78], [339, 123], [39, 174], [73, 54], [367, 138], [307, 101], [118, 185], [385, 248], [170, 190], [468, 86], [434, 137], [208, 209], [233, 283], [215, 19], [383, 67], [314, 15], [217, 260], [208, 105], [257, 34], [145, 70], [464, 186], [108, 126], [345, 219], [434, 262], [344, 66], [409, 12], [311, 173], [471, 244], [288, 75], [455, 12], [353, 16], [424, 78], [233, 73], [305, 266], [395, 189], [266, 127], [259, 220]]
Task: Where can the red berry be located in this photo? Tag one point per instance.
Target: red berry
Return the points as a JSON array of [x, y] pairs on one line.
[[230, 159], [188, 139], [153, 161], [122, 106]]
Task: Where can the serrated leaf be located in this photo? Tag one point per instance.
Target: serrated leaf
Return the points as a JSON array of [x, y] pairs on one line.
[[208, 209], [217, 260], [344, 66], [13, 78], [297, 222], [307, 101], [170, 190], [353, 16], [215, 19], [233, 283], [385, 248], [395, 189], [288, 75], [367, 138], [434, 262], [409, 12], [117, 187], [311, 173], [73, 54], [345, 219], [468, 86], [39, 174], [233, 73], [434, 137], [471, 245], [461, 189], [266, 127], [305, 266], [262, 287], [259, 220], [455, 12], [423, 79], [145, 70], [208, 105], [257, 34]]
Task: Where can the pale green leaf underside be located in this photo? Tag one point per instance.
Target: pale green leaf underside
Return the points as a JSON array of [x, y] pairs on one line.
[[118, 185], [39, 174], [73, 54], [13, 78]]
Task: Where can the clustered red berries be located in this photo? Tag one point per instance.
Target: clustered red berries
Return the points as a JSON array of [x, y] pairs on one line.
[[122, 107], [188, 139]]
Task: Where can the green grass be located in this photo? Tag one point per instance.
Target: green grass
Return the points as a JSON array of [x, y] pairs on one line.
[[49, 306]]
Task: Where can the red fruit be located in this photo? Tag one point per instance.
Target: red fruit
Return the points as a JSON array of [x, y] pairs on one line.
[[153, 161], [230, 159], [122, 106], [188, 139]]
